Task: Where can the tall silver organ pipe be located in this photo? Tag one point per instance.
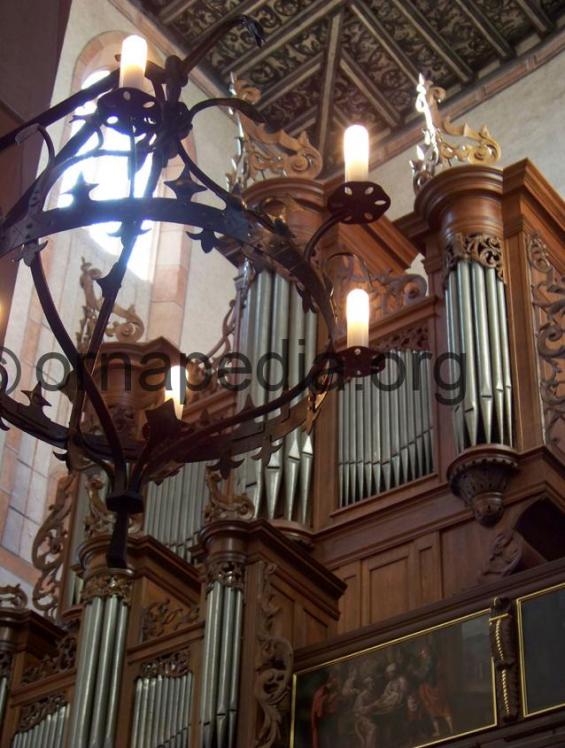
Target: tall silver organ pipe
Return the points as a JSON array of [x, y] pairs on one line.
[[385, 428], [478, 337]]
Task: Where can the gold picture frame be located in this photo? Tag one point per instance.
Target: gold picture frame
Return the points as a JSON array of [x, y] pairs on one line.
[[521, 602], [491, 720]]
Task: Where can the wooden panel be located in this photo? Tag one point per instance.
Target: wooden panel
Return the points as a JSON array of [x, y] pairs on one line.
[[428, 561], [350, 603], [315, 629], [386, 584]]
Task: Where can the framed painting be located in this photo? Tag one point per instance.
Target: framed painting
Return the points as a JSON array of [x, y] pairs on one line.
[[541, 619], [418, 690]]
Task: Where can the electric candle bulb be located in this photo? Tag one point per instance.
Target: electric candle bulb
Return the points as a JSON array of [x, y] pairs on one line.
[[356, 153], [176, 389], [132, 62], [357, 313]]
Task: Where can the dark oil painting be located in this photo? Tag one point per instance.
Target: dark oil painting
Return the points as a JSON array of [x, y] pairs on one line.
[[542, 619], [415, 691]]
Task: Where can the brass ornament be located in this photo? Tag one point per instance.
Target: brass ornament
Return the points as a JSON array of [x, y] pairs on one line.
[[225, 506], [261, 154], [438, 152], [548, 300], [107, 584], [173, 665], [485, 249], [130, 330], [32, 714], [13, 597], [505, 658], [274, 664], [161, 618]]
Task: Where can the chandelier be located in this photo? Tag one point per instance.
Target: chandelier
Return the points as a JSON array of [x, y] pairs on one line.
[[156, 124]]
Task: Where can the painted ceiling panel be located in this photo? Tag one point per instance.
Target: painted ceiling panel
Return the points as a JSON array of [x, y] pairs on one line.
[[328, 63]]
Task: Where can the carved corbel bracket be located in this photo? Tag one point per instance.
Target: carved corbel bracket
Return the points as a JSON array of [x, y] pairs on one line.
[[479, 476], [502, 631]]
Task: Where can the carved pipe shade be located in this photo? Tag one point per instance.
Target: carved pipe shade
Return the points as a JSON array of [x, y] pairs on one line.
[[328, 63]]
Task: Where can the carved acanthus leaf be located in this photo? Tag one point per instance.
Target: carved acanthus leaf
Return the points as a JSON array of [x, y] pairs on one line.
[[63, 660], [228, 572], [173, 665], [274, 664], [438, 152], [32, 714], [548, 299], [482, 248], [49, 545], [107, 585], [161, 618], [225, 506], [261, 153]]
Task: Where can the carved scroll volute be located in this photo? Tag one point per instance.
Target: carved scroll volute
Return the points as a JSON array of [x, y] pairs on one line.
[[274, 664], [502, 629]]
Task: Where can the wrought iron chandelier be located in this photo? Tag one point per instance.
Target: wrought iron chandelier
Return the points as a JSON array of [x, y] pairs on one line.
[[156, 125]]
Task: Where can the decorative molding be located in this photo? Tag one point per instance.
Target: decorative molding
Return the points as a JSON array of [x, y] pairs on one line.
[[504, 557], [161, 618], [13, 597], [63, 660], [48, 550], [548, 299], [505, 657], [107, 584], [173, 665], [485, 249], [129, 330], [480, 478], [32, 714], [410, 339], [226, 571], [439, 152], [274, 665], [225, 506]]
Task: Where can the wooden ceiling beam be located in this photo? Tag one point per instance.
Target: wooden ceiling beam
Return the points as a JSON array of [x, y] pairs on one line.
[[330, 71], [440, 47], [378, 32], [537, 16], [486, 28], [295, 26], [302, 73], [303, 122], [371, 92]]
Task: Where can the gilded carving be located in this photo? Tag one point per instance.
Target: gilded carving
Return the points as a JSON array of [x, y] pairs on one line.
[[274, 663], [129, 330], [13, 597], [173, 665], [439, 152], [48, 548], [225, 506], [261, 153], [161, 618], [107, 585], [32, 714], [482, 248], [504, 653], [548, 299], [64, 659]]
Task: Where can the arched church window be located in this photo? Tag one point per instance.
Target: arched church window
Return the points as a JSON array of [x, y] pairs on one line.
[[110, 174]]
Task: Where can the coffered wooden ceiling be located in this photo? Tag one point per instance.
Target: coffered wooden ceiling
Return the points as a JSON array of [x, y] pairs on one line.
[[328, 63]]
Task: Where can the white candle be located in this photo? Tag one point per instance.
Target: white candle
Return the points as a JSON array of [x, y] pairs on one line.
[[357, 313], [177, 389], [132, 62], [356, 153]]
